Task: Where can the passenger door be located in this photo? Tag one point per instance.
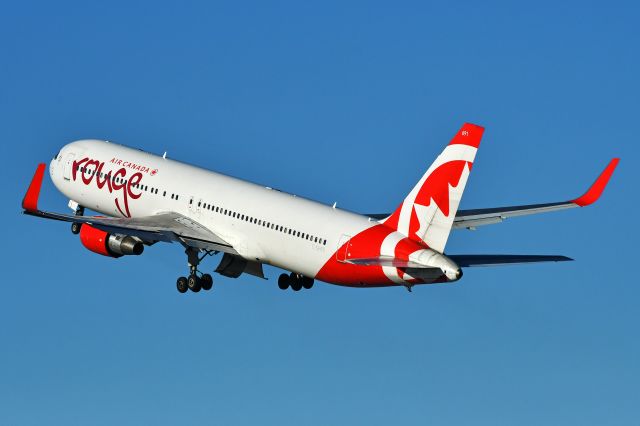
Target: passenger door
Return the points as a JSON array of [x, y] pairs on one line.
[[68, 166]]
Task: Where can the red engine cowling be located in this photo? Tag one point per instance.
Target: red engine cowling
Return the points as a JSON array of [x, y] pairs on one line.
[[110, 245]]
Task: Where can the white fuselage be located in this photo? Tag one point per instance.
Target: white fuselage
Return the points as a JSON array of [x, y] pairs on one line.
[[261, 223]]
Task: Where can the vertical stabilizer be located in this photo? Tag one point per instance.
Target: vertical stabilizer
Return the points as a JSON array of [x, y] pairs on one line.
[[427, 213]]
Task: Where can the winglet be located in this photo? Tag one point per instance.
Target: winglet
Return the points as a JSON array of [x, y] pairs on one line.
[[30, 200], [593, 193]]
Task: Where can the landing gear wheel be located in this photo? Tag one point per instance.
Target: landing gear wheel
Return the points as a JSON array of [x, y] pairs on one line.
[[283, 281], [296, 283], [207, 282], [182, 285], [75, 228], [307, 282], [194, 283]]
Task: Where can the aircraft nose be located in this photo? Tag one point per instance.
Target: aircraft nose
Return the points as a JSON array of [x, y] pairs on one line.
[[55, 167]]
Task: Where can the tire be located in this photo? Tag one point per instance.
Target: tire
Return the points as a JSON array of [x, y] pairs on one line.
[[283, 281], [207, 282], [194, 283], [181, 284], [296, 283], [75, 228], [307, 282]]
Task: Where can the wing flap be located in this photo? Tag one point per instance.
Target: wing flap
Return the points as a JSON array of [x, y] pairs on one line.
[[490, 216]]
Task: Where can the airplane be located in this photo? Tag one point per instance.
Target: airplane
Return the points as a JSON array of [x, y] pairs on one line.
[[143, 199]]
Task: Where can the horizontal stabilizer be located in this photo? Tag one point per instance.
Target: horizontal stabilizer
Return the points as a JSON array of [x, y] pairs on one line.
[[469, 260]]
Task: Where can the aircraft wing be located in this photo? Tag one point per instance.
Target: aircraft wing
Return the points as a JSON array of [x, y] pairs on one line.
[[470, 219], [167, 227]]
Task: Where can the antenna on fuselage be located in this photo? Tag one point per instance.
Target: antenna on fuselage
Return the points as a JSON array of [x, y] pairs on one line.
[[164, 156]]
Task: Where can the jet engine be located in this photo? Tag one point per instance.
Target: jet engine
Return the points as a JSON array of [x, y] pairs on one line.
[[111, 245]]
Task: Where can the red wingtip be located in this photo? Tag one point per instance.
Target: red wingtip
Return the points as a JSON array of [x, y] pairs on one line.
[[30, 200], [469, 134], [593, 193]]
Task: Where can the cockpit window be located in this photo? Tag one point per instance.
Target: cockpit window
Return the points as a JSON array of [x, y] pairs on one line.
[[55, 157]]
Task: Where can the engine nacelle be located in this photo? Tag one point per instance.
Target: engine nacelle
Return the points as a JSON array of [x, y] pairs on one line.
[[111, 245]]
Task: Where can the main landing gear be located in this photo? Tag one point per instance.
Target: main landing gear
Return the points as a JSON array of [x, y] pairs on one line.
[[296, 281], [196, 280]]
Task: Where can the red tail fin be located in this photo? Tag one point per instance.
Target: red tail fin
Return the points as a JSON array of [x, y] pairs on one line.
[[426, 214]]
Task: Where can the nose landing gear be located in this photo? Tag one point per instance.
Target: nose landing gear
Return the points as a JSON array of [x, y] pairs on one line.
[[75, 226]]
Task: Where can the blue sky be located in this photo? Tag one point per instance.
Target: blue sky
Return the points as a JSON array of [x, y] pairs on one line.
[[336, 101]]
